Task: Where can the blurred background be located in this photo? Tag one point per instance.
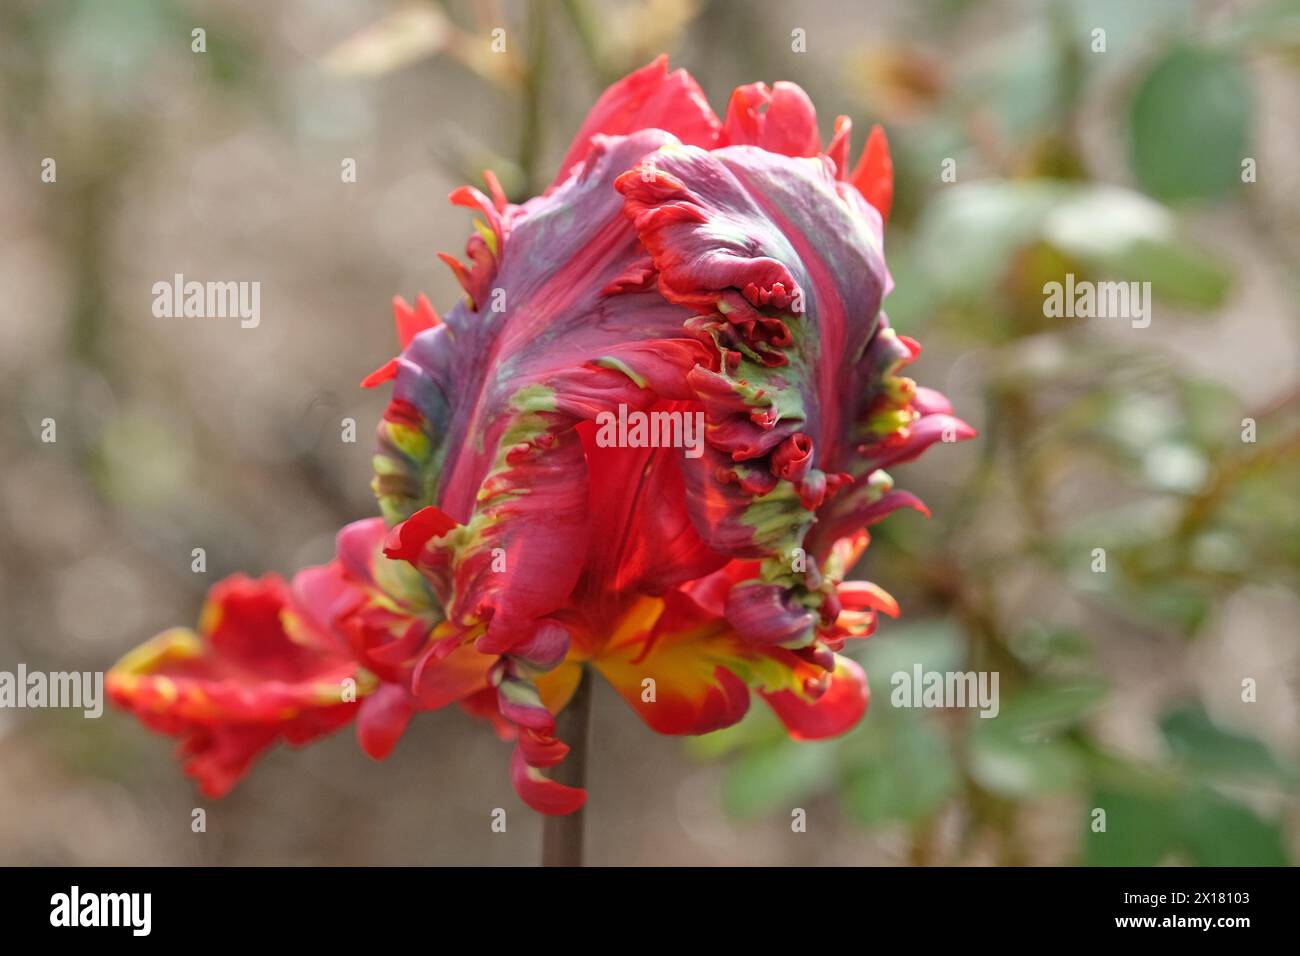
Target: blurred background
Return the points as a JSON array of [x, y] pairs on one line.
[[1027, 146]]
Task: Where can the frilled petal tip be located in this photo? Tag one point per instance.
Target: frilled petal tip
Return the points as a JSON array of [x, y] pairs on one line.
[[539, 791], [874, 174], [685, 670], [780, 119], [252, 675], [386, 615], [834, 712], [649, 98], [408, 538]]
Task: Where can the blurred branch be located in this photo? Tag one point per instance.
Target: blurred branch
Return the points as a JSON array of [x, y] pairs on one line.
[[530, 127], [584, 26]]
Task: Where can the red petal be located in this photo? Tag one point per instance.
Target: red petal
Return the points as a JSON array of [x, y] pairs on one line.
[[383, 718], [874, 174], [540, 793], [838, 150], [238, 686], [385, 373], [410, 322], [495, 191], [407, 539], [780, 119], [686, 652], [541, 750], [834, 712], [860, 595], [650, 98]]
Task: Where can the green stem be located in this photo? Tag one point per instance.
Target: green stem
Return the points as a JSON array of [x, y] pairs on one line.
[[530, 134], [562, 836]]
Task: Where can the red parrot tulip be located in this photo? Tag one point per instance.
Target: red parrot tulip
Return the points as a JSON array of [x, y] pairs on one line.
[[648, 441]]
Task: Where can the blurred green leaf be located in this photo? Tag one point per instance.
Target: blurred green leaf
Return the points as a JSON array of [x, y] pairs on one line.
[[777, 776], [934, 644], [1205, 747], [1220, 832], [1177, 603], [1275, 25], [1024, 85], [1042, 709], [906, 775], [1178, 273], [1189, 121], [1141, 828], [1175, 466], [1130, 27], [1017, 754], [968, 233], [1040, 644], [1126, 236], [758, 726], [1151, 823], [1020, 768], [1103, 223]]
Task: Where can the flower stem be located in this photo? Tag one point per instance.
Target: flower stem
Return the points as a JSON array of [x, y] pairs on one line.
[[562, 836]]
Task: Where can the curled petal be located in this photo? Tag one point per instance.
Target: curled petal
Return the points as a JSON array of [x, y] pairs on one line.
[[874, 174], [521, 703], [541, 793], [832, 713], [682, 667], [546, 647], [889, 503], [378, 609], [240, 684], [386, 614], [650, 98], [409, 321], [642, 492], [780, 119], [383, 718], [793, 459], [929, 402], [863, 595], [445, 680], [385, 373], [769, 614], [409, 538], [541, 750], [838, 150], [912, 441]]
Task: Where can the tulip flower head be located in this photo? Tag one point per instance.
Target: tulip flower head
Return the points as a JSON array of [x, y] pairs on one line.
[[647, 442]]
